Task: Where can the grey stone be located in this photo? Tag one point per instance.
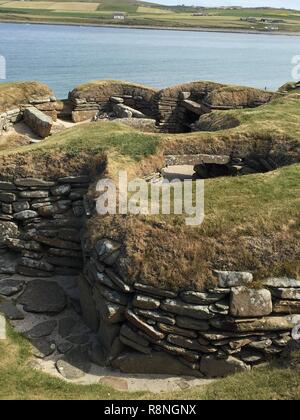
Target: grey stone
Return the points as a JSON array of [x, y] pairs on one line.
[[39, 122], [4, 185], [79, 339], [107, 334], [7, 230], [10, 287], [40, 265], [283, 282], [246, 303], [41, 296], [186, 343], [219, 368], [63, 189], [192, 324], [250, 356], [7, 197], [156, 315], [2, 328], [7, 208], [32, 182], [260, 345], [34, 194], [171, 329], [58, 243], [154, 363], [199, 298], [145, 302], [180, 308], [25, 214], [65, 326], [121, 285], [107, 248], [74, 365], [129, 333], [42, 330], [19, 206], [221, 307], [88, 306], [179, 351], [139, 323], [233, 278], [96, 355], [10, 311], [287, 294], [110, 295], [64, 347], [33, 272], [43, 347], [132, 344], [286, 307], [274, 323], [81, 179], [154, 291]]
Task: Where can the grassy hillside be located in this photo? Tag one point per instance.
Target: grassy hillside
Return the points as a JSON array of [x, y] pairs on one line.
[[146, 14]]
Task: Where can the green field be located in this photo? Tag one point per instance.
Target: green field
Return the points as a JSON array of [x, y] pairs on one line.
[[148, 14]]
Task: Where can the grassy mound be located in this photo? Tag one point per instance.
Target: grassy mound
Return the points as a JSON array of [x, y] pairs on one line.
[[12, 95]]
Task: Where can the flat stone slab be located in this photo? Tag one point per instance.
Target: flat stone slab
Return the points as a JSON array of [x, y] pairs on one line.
[[10, 287], [41, 296], [74, 365], [10, 311]]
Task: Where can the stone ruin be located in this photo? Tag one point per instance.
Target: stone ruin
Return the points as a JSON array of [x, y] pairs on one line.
[[92, 314], [81, 308]]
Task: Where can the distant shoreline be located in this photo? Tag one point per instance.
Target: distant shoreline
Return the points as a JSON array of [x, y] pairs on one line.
[[158, 28]]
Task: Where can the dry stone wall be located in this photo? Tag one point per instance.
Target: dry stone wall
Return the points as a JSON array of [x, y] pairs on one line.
[[142, 329], [39, 114], [41, 222], [180, 106], [228, 328], [98, 98]]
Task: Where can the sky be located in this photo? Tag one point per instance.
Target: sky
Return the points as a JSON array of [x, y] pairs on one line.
[[288, 4]]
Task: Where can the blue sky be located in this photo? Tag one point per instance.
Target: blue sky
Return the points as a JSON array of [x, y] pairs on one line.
[[288, 4]]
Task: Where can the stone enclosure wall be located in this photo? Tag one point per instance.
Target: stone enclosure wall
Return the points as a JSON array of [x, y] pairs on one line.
[[40, 221], [98, 98], [38, 114], [229, 328], [141, 329]]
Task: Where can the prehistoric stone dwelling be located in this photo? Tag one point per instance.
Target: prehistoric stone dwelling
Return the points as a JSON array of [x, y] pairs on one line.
[[63, 255]]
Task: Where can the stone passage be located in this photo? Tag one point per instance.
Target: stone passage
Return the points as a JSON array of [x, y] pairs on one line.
[[180, 108], [40, 222], [112, 99], [142, 329]]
